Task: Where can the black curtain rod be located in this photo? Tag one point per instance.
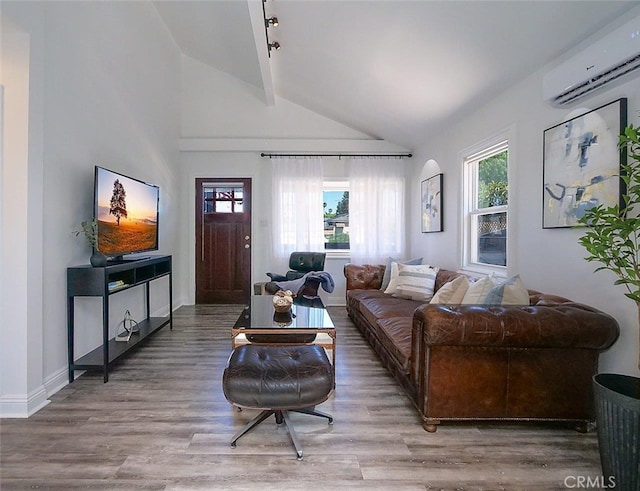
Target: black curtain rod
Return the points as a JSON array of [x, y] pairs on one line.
[[340, 155]]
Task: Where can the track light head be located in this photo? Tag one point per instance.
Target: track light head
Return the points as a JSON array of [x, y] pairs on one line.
[[275, 45], [273, 21]]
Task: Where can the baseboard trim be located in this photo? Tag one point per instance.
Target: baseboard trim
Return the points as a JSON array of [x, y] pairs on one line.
[[57, 381], [20, 406]]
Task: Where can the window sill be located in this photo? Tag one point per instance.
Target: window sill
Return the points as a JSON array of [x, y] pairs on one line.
[[499, 271], [337, 254]]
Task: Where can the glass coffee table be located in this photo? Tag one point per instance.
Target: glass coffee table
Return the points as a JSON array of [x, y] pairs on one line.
[[308, 323]]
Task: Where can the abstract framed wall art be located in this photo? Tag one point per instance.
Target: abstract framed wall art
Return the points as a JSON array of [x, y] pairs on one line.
[[581, 164], [431, 204]]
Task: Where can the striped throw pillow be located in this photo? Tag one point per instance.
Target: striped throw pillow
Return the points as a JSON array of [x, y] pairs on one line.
[[416, 282]]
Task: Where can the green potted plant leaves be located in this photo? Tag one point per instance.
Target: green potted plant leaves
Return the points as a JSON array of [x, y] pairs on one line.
[[613, 239], [89, 228]]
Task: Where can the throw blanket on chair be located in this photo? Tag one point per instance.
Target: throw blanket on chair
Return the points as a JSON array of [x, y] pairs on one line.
[[297, 286]]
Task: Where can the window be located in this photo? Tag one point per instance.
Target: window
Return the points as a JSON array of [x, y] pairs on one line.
[[222, 198], [486, 199], [335, 197]]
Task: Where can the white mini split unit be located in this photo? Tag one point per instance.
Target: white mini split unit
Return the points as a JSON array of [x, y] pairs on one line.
[[615, 57]]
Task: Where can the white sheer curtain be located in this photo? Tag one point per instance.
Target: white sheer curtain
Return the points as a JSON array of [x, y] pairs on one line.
[[297, 214], [376, 209]]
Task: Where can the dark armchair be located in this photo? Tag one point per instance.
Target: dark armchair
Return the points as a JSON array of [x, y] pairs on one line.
[[306, 273], [300, 263]]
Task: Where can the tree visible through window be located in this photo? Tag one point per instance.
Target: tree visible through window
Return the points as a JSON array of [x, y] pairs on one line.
[[336, 218], [486, 199]]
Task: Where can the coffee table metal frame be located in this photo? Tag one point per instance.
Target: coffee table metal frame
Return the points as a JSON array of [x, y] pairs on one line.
[[326, 338]]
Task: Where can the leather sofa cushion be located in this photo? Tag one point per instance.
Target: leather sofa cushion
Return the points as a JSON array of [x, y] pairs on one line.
[[396, 338], [355, 297], [374, 309]]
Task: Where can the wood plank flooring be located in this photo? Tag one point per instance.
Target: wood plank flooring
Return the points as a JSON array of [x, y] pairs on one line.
[[162, 423]]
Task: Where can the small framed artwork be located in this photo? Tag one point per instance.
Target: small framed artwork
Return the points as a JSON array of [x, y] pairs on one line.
[[581, 164], [431, 204]]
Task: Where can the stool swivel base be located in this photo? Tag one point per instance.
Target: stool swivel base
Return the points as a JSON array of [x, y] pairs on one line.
[[278, 380], [282, 416]]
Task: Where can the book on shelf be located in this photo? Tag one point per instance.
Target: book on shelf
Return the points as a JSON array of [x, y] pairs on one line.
[[113, 285]]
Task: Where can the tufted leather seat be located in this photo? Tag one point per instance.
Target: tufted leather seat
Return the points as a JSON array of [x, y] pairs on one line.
[[301, 263], [529, 362], [278, 379]]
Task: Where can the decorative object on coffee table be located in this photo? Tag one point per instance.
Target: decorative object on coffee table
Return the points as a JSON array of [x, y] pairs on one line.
[[282, 301]]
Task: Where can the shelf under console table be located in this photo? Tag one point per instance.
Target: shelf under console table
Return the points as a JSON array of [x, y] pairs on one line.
[[89, 281]]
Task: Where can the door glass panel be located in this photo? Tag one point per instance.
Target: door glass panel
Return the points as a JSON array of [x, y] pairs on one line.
[[222, 198]]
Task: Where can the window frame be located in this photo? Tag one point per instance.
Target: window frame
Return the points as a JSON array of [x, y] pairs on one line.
[[469, 159], [336, 185]]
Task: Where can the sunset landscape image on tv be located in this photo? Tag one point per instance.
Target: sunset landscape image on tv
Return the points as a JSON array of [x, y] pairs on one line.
[[127, 214]]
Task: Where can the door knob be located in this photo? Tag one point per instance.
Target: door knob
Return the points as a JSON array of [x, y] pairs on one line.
[[246, 246], [246, 237]]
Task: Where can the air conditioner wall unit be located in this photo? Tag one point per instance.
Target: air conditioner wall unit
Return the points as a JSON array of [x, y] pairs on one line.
[[615, 57]]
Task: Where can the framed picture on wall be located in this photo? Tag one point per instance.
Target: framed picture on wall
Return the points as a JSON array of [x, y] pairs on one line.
[[581, 164], [431, 204]]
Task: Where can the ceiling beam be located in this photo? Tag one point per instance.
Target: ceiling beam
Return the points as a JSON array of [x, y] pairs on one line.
[[256, 14]]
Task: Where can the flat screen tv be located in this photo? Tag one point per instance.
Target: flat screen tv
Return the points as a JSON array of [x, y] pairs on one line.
[[126, 211]]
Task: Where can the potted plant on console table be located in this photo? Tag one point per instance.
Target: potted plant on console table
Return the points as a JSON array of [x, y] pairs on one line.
[[613, 239], [90, 230]]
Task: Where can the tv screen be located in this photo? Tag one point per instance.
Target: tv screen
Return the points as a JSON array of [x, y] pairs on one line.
[[126, 210]]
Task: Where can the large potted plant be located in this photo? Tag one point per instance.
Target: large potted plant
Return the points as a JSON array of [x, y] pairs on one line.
[[613, 239]]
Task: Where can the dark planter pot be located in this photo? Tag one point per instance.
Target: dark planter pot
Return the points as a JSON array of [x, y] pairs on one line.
[[617, 400], [98, 260]]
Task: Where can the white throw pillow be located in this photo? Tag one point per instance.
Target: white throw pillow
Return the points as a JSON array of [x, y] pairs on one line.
[[393, 278], [510, 292], [452, 292], [478, 290], [416, 281], [386, 278]]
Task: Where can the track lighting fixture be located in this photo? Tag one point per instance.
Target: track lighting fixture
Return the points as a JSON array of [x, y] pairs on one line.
[[269, 22]]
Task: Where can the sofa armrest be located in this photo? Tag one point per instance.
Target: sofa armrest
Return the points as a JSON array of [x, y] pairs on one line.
[[566, 325], [364, 277]]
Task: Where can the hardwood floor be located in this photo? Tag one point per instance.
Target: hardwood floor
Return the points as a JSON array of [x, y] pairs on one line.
[[162, 423]]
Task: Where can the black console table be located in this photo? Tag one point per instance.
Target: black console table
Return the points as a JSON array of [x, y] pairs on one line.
[[88, 281]]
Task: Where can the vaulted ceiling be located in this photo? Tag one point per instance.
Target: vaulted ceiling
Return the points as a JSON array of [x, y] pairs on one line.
[[392, 69]]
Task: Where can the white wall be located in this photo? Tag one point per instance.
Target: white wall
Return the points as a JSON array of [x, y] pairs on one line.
[[218, 106], [21, 222], [549, 260], [95, 101]]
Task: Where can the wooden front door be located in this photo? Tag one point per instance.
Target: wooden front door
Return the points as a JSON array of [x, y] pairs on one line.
[[223, 240]]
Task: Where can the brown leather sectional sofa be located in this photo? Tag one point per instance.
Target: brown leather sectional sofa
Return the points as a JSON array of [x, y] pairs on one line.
[[484, 362]]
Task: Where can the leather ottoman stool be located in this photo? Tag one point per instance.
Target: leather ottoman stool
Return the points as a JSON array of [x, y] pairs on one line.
[[278, 379]]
